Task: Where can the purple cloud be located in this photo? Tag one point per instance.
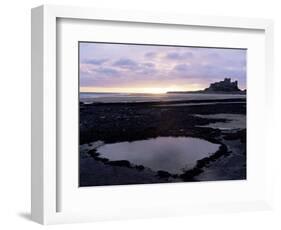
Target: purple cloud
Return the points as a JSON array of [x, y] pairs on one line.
[[117, 65], [149, 65], [137, 68], [179, 56], [107, 71], [150, 54], [146, 69], [126, 63], [182, 68], [95, 61]]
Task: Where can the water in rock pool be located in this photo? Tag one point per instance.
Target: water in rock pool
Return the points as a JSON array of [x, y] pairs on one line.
[[171, 154]]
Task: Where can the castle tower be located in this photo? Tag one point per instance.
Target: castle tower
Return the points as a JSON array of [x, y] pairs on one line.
[[227, 80]]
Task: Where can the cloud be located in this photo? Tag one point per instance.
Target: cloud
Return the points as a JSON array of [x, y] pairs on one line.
[[150, 54], [107, 71], [100, 76], [213, 55], [94, 61], [126, 63], [114, 65], [179, 56], [208, 73], [146, 68], [132, 66], [149, 64], [182, 68], [227, 58]]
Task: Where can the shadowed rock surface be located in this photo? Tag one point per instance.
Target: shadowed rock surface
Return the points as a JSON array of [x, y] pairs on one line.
[[104, 123]]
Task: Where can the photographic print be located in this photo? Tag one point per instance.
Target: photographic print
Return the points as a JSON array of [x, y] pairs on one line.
[[161, 114]]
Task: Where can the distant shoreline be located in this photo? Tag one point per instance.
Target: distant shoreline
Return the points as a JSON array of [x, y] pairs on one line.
[[151, 103], [208, 92]]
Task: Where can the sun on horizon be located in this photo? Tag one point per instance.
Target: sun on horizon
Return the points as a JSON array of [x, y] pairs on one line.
[[148, 90]]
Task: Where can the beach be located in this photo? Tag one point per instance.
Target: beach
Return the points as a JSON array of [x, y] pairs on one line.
[[213, 127]]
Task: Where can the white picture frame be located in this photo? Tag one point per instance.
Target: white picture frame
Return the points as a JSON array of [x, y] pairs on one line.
[[45, 162]]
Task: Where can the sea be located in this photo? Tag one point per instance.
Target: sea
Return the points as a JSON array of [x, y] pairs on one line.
[[89, 98]]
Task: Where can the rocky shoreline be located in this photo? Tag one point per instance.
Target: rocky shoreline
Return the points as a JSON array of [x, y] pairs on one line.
[[118, 122]]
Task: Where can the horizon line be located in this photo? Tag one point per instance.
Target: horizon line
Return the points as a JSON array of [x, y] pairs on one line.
[[173, 91]]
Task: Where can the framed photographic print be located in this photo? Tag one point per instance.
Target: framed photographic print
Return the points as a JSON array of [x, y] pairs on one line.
[[168, 122], [138, 114]]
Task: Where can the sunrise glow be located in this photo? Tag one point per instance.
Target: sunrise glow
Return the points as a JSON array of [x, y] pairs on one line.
[[148, 90], [123, 68]]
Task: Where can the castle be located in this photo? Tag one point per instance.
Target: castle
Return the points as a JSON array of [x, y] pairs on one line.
[[223, 86]]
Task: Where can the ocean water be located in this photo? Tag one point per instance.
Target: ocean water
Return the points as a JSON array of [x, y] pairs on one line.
[[133, 97]]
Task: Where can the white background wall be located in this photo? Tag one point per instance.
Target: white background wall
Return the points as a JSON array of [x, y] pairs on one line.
[[15, 112]]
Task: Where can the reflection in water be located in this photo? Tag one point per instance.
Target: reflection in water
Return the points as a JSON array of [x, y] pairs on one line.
[[234, 121], [170, 154]]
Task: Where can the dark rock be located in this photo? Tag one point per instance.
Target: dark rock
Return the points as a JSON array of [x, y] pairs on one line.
[[93, 153], [139, 167], [163, 174], [240, 135], [148, 121], [104, 160], [121, 163], [190, 174]]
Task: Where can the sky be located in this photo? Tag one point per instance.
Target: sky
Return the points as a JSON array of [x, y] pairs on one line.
[[109, 67]]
